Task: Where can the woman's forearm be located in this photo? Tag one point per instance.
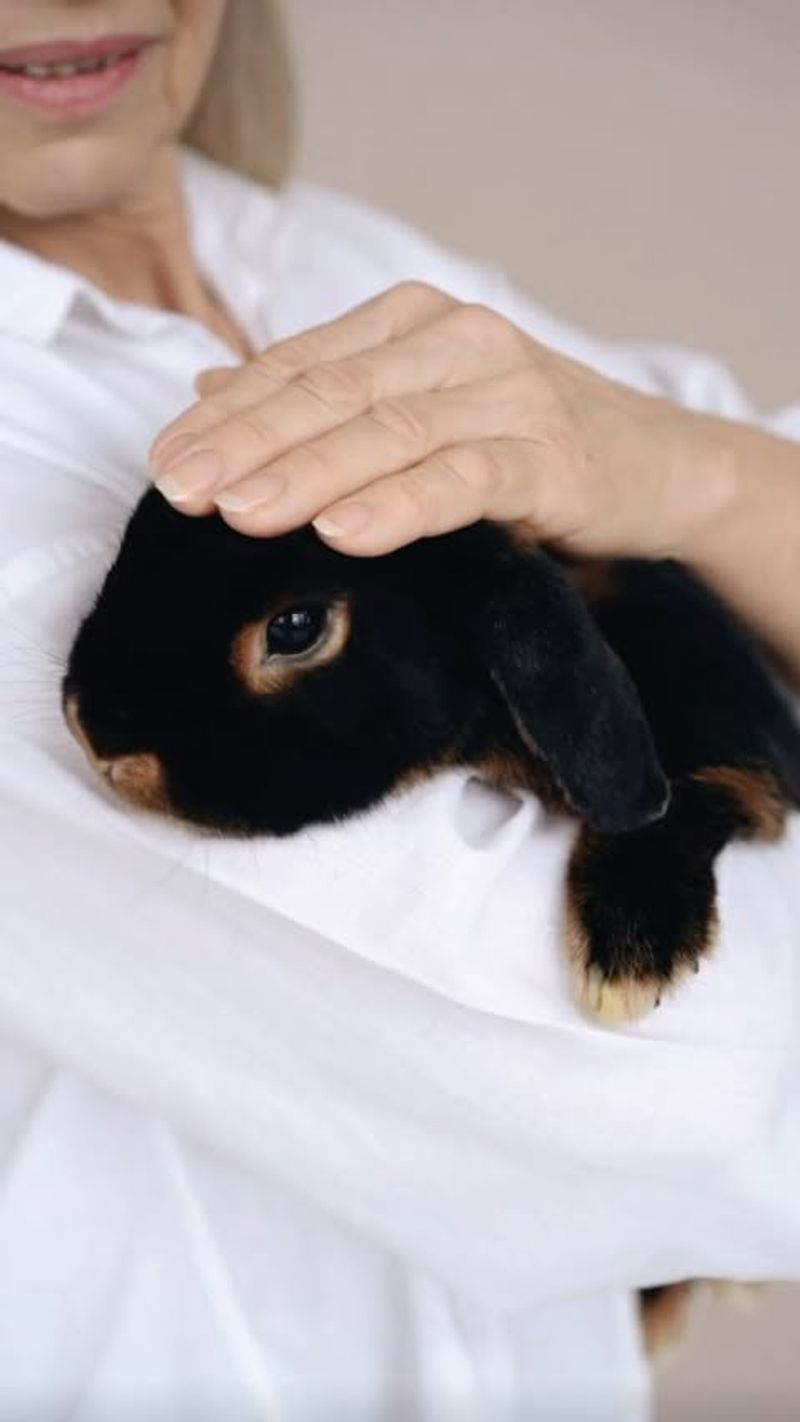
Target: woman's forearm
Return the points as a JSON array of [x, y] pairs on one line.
[[750, 553]]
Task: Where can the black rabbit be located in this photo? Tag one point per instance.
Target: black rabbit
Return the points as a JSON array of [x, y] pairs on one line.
[[255, 686]]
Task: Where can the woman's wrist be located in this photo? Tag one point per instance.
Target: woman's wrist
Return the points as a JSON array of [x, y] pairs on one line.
[[713, 487], [748, 551], [659, 480]]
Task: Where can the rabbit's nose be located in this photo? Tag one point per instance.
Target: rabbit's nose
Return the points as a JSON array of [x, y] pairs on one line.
[[137, 778]]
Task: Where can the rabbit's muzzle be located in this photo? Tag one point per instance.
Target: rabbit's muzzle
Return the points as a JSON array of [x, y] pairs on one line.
[[138, 779]]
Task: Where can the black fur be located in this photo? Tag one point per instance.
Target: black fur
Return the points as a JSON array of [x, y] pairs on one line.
[[643, 904], [462, 649]]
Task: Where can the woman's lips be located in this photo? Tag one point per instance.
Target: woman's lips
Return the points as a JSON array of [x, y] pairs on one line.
[[76, 78]]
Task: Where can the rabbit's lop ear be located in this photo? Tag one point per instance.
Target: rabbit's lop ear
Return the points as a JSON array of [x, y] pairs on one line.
[[571, 699]]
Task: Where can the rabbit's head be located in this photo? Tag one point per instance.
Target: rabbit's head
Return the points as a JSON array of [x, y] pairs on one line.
[[255, 686]]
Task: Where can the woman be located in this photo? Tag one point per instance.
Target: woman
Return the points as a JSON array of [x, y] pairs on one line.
[[311, 1128]]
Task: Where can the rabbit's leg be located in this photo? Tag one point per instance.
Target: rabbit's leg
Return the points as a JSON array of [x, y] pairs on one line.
[[641, 906]]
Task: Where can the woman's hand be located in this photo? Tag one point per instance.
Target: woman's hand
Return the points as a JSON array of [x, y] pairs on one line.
[[415, 414]]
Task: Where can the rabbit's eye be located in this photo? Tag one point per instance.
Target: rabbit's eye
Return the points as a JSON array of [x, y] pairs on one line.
[[295, 630], [272, 654]]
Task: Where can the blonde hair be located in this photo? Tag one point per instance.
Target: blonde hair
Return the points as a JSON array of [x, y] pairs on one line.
[[245, 117]]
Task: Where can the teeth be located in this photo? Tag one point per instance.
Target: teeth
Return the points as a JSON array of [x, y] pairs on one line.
[[63, 71]]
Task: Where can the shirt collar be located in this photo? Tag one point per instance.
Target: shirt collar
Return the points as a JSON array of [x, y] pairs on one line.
[[36, 294], [227, 214]]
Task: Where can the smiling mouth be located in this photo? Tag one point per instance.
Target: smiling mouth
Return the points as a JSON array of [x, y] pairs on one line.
[[64, 69], [72, 77]]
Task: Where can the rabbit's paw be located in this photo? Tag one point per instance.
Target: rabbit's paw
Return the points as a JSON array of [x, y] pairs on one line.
[[641, 912]]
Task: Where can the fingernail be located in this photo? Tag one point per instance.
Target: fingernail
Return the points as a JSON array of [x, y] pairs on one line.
[[348, 518], [197, 474], [162, 455], [264, 490]]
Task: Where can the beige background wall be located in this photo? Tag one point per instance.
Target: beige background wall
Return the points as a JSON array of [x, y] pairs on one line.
[[634, 164]]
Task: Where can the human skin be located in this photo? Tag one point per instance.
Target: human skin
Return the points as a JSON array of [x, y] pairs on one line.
[[432, 413], [100, 193], [410, 415]]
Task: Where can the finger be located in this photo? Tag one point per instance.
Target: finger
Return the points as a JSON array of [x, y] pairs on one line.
[[451, 350], [215, 378], [380, 319], [391, 436], [496, 479]]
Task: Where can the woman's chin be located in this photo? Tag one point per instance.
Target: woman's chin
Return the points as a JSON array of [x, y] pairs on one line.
[[77, 176]]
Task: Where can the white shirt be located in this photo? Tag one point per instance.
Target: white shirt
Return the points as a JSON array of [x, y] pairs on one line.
[[311, 1128]]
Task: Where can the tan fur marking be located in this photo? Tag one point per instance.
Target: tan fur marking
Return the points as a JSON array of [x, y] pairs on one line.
[[73, 721], [611, 1001], [139, 779], [508, 770], [756, 791], [418, 774], [264, 675], [664, 1316], [503, 769], [665, 1313]]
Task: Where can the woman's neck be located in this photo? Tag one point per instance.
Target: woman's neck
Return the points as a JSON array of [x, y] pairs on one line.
[[138, 251]]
